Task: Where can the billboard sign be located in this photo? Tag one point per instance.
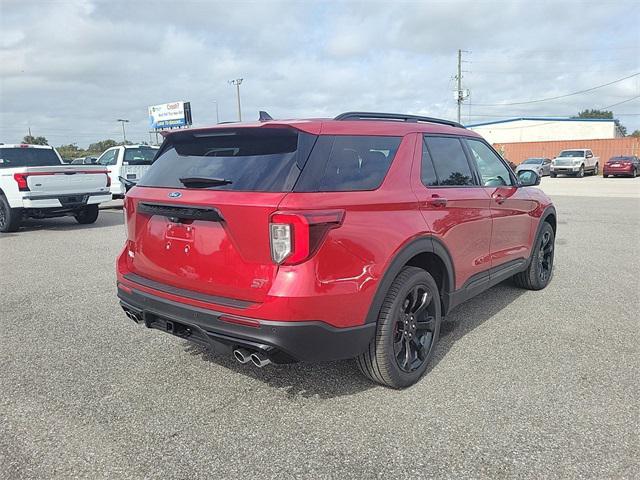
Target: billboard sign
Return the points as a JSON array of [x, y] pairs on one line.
[[170, 115]]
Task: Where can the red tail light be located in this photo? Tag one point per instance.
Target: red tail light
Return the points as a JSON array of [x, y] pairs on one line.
[[21, 178], [108, 179], [295, 236]]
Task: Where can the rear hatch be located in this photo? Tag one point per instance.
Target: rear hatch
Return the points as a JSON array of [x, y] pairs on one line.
[[201, 221]]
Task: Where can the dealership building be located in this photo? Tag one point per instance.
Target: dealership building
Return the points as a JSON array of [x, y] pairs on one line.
[[541, 129]]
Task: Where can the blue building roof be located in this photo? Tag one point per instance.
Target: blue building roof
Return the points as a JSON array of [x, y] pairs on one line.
[[546, 119]]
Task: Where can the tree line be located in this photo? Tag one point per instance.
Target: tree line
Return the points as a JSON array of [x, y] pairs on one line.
[[72, 150]]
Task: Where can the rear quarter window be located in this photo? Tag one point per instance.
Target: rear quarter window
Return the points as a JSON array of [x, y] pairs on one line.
[[139, 156], [341, 163]]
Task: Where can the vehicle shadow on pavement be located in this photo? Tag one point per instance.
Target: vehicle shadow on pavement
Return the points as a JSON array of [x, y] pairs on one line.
[[307, 380], [335, 379], [105, 219], [471, 314]]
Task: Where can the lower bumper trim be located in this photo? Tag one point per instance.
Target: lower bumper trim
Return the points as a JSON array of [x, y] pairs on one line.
[[285, 341]]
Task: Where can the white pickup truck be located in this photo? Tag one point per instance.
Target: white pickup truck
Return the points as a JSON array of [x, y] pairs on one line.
[[576, 161], [34, 183], [128, 162]]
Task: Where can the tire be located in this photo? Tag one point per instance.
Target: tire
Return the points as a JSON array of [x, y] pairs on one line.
[[401, 350], [580, 173], [553, 174], [596, 169], [634, 174], [87, 215], [10, 218], [538, 273], [604, 175]]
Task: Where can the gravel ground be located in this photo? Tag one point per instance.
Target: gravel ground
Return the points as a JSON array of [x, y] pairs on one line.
[[524, 384]]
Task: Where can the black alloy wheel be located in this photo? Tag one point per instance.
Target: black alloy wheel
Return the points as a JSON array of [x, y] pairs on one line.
[[414, 329], [545, 257]]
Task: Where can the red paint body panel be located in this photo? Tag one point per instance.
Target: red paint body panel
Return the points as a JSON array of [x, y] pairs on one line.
[[337, 284]]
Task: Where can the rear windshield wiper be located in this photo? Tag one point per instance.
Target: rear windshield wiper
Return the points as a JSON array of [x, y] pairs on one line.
[[204, 182]]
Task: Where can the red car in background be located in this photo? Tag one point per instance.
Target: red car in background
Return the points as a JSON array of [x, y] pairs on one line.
[[328, 239], [622, 165]]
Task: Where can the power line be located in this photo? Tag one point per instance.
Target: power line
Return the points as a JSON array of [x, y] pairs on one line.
[[620, 103], [558, 96]]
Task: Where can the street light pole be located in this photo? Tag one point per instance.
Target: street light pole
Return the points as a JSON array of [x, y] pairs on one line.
[[237, 82], [217, 114], [124, 135]]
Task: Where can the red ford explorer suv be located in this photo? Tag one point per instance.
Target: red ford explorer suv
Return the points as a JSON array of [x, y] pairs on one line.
[[328, 239]]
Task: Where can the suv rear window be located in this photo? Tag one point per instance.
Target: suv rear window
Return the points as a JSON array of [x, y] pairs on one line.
[[139, 156], [27, 157], [246, 159]]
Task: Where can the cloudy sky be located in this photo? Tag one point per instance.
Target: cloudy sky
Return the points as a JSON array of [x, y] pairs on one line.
[[70, 68]]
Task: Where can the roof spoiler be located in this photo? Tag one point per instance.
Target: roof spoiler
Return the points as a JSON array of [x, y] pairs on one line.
[[397, 117]]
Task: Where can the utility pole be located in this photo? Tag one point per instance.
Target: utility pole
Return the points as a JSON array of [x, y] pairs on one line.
[[461, 94], [237, 82], [124, 135], [217, 114]]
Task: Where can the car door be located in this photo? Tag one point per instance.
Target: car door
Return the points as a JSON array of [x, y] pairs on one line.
[[455, 207], [511, 208], [109, 159]]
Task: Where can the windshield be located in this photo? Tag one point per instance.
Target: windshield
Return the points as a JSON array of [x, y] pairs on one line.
[[140, 155], [247, 159], [572, 153], [27, 157], [531, 161]]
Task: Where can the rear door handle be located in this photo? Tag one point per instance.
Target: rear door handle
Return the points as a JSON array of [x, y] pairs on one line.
[[436, 201]]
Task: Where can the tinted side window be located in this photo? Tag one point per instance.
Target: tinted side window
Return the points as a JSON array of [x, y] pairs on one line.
[[449, 161], [428, 173], [358, 163], [493, 172]]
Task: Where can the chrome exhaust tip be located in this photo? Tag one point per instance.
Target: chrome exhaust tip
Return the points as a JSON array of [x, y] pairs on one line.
[[242, 355], [260, 360]]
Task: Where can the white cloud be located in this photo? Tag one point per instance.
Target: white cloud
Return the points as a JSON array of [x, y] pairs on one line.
[[70, 69]]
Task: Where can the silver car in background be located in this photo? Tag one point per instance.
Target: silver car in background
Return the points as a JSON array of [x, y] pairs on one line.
[[542, 166]]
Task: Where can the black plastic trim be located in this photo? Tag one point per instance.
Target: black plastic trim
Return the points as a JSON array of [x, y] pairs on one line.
[[395, 117], [181, 212], [307, 341], [425, 244], [203, 297], [63, 195]]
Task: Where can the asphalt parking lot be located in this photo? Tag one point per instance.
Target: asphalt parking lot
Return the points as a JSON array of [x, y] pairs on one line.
[[524, 384]]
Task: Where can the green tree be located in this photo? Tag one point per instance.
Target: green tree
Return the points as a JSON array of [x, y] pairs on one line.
[[595, 113], [101, 146], [70, 151], [31, 140], [636, 133]]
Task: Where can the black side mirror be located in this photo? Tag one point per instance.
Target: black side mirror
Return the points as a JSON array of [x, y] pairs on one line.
[[528, 178]]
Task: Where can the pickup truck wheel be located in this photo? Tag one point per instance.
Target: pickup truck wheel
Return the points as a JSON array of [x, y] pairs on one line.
[[88, 214], [407, 331], [596, 169], [553, 175], [538, 274], [580, 173], [10, 218]]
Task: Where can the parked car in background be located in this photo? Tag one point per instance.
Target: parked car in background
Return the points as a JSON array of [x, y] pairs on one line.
[[84, 161], [623, 165], [576, 162], [35, 184], [542, 166], [328, 239], [126, 161]]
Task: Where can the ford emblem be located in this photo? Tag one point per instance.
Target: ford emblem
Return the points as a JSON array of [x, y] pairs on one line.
[[175, 195]]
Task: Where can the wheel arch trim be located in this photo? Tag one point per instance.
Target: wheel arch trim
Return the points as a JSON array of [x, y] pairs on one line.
[[423, 244]]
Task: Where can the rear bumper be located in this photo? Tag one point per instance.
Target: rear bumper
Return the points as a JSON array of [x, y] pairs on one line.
[[283, 341], [56, 201], [617, 171]]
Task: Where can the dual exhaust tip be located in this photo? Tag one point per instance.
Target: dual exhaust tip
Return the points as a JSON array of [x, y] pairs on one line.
[[259, 359], [133, 316]]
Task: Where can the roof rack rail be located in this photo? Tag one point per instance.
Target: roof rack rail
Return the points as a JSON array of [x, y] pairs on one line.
[[398, 117]]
